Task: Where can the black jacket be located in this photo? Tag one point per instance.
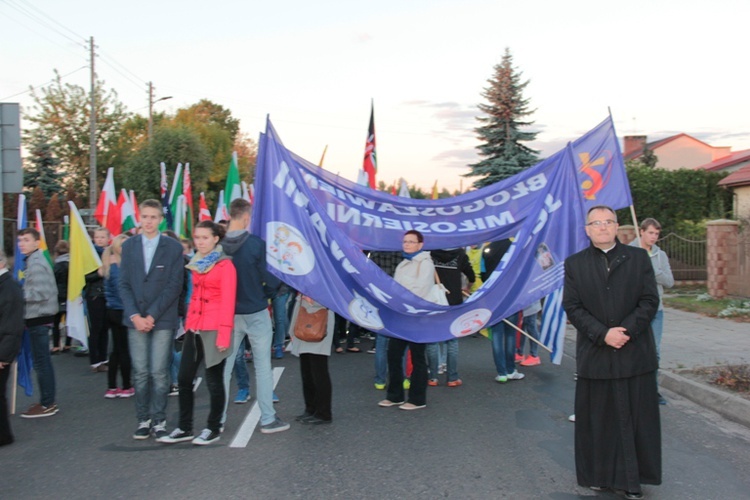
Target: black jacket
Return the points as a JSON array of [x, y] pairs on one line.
[[450, 264], [596, 300], [11, 318]]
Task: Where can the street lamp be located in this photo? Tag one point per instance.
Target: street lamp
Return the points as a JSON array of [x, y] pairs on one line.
[[151, 103]]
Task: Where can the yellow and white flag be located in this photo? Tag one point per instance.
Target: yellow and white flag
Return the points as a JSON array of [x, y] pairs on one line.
[[83, 260]]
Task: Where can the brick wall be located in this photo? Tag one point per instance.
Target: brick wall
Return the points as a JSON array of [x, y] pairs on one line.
[[722, 257]]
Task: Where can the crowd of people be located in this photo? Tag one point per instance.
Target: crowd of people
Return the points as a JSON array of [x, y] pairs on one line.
[[171, 307]]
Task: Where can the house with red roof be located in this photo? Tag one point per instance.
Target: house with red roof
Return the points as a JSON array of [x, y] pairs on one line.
[[739, 182], [674, 152]]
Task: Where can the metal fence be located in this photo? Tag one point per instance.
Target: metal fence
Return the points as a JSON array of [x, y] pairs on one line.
[[687, 258]]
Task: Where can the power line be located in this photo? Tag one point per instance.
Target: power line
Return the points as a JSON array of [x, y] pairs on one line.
[[25, 11], [43, 84], [53, 20]]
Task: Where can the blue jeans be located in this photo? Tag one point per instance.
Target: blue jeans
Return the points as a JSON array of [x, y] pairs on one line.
[[280, 324], [45, 373], [657, 325], [381, 359], [530, 327], [151, 354], [240, 366], [504, 346], [259, 330], [433, 356]]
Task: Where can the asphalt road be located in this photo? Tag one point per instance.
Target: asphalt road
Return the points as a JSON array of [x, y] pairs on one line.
[[481, 440]]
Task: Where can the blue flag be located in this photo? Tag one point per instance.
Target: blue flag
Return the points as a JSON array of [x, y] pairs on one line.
[[25, 362], [316, 226]]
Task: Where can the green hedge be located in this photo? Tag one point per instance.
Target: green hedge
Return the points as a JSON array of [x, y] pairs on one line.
[[681, 200]]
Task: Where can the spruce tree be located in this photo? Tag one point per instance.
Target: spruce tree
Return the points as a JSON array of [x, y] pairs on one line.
[[42, 169], [503, 150]]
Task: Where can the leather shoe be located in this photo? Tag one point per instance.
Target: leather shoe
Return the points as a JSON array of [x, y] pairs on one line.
[[304, 416], [315, 421]]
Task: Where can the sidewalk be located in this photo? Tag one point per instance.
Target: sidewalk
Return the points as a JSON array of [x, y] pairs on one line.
[[691, 341]]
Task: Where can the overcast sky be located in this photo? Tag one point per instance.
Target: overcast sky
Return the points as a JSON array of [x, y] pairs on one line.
[[662, 67]]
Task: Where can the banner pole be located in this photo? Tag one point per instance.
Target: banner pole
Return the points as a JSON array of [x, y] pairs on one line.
[[14, 386], [635, 223], [529, 336]]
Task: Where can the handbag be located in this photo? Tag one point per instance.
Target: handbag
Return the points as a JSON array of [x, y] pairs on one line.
[[311, 327], [437, 293]]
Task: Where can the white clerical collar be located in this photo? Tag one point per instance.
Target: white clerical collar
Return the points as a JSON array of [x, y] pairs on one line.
[[610, 248], [3, 271]]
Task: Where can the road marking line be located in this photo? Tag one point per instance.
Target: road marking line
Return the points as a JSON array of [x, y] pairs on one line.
[[245, 432]]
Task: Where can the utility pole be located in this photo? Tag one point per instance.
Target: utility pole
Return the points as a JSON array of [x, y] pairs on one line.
[[93, 188], [151, 102]]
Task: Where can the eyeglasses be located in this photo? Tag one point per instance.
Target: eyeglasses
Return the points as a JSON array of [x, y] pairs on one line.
[[410, 242], [599, 223]]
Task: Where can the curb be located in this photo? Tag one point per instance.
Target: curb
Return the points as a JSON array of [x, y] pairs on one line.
[[729, 406]]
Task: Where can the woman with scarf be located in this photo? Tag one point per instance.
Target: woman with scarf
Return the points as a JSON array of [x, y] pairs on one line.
[[416, 273], [208, 326]]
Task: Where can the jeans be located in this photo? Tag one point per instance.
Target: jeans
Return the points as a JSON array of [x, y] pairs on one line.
[[192, 355], [240, 366], [657, 325], [418, 389], [316, 385], [504, 346], [45, 373], [151, 355], [530, 327], [119, 358], [451, 359], [280, 323], [381, 359], [259, 330]]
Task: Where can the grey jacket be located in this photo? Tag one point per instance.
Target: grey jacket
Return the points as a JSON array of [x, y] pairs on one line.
[[662, 270], [39, 287]]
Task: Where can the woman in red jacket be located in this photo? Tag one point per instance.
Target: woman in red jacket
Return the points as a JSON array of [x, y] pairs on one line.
[[209, 323]]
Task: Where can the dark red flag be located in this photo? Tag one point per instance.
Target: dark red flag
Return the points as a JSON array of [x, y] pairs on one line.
[[371, 164]]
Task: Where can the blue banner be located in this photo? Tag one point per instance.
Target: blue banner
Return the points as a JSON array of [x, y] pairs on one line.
[[318, 228]]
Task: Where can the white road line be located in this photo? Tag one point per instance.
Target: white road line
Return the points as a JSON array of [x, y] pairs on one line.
[[245, 432]]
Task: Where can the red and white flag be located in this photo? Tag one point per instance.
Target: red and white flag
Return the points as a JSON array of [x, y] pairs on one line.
[[107, 212], [203, 214], [370, 165]]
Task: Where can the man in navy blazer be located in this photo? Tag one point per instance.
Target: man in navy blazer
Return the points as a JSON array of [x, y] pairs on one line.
[[151, 276]]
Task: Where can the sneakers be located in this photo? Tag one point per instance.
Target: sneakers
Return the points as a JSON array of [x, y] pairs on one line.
[[442, 369], [454, 383], [518, 358], [160, 430], [112, 393], [143, 431], [371, 350], [206, 437], [276, 426], [386, 403], [243, 396], [278, 352], [433, 382], [380, 387], [501, 378], [174, 390], [407, 384], [38, 411], [572, 418], [531, 361], [176, 436], [410, 406], [275, 398], [126, 393], [515, 375]]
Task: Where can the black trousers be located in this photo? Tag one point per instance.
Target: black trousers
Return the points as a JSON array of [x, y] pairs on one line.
[[418, 389], [98, 333], [192, 356], [316, 385], [6, 435], [56, 331], [119, 358]]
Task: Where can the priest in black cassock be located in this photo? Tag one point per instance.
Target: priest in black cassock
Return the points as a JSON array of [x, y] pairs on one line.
[[610, 297]]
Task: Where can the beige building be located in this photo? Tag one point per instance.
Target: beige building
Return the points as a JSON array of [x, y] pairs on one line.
[[739, 183], [675, 152]]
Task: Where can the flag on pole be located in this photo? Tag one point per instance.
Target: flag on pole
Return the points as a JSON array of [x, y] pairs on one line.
[[394, 191], [554, 319], [173, 196], [362, 178], [179, 213], [221, 210], [435, 191], [127, 214], [403, 189], [203, 212], [323, 156], [166, 222], [246, 192], [43, 239], [370, 163], [24, 360], [66, 227], [106, 210], [136, 210], [233, 187], [83, 260], [187, 190]]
